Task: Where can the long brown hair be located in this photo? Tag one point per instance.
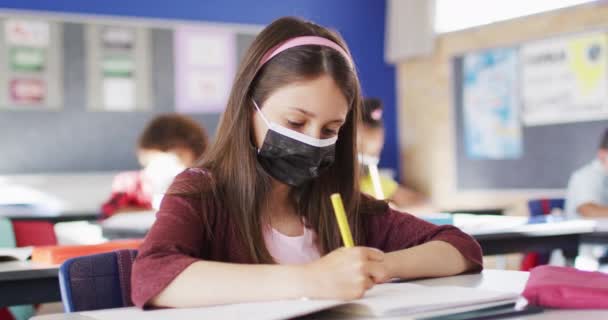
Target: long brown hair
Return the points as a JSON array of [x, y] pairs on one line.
[[241, 185]]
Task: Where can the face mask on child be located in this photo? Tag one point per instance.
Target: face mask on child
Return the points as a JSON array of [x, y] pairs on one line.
[[160, 171], [292, 157], [368, 160]]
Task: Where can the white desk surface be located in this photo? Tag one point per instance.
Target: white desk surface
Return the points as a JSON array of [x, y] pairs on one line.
[[601, 225], [476, 225], [497, 280], [488, 225]]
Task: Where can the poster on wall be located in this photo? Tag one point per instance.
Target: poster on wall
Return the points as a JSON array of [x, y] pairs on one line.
[[27, 33], [204, 68], [117, 66], [491, 105], [564, 80], [27, 47], [27, 91]]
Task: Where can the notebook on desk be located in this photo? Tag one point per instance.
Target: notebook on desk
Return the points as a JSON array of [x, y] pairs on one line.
[[395, 299], [15, 254]]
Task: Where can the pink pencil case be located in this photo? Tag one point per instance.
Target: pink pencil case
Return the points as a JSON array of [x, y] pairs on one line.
[[559, 287]]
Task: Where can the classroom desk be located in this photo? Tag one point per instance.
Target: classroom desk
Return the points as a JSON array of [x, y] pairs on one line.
[[66, 216], [497, 280], [24, 282], [495, 234], [600, 235], [483, 212], [128, 225], [565, 235], [508, 234]]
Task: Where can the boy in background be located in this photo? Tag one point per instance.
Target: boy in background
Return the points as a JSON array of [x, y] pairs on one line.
[[169, 144]]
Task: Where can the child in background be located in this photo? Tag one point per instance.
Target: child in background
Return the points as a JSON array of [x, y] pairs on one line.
[[254, 220], [370, 141], [169, 144]]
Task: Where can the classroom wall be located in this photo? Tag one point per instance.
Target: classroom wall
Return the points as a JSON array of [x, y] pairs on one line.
[[426, 116], [361, 22]]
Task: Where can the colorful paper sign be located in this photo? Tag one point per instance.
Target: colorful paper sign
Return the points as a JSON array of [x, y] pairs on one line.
[[28, 33], [117, 38], [118, 66], [27, 59], [27, 91]]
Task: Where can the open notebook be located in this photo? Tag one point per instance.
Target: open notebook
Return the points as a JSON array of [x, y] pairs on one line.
[[394, 299], [11, 254]]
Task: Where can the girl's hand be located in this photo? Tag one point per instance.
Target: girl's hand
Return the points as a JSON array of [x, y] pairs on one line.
[[344, 274]]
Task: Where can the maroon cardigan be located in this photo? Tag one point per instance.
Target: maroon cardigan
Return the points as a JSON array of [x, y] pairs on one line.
[[178, 238]]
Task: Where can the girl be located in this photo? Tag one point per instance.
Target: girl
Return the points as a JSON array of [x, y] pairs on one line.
[[370, 142], [254, 220]]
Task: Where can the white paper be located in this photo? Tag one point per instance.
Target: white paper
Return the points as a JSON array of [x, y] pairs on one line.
[[119, 94], [407, 298], [141, 220], [275, 310], [18, 200], [118, 38], [207, 50], [27, 33], [387, 299], [21, 254], [78, 233], [208, 87]]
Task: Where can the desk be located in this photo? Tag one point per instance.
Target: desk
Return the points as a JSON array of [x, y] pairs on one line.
[[600, 235], [495, 234], [497, 280], [24, 282], [66, 216], [502, 235], [128, 225], [543, 237], [488, 211]]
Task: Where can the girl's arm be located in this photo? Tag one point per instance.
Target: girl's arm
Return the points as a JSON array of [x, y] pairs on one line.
[[430, 259], [210, 283], [416, 248], [342, 274]]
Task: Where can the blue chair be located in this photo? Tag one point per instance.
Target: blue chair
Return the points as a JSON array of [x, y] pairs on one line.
[[543, 207], [99, 281], [539, 209]]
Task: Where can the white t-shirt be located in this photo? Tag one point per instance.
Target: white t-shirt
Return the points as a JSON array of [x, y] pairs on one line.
[[588, 184]]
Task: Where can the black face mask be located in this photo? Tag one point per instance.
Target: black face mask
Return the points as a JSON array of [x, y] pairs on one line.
[[292, 157]]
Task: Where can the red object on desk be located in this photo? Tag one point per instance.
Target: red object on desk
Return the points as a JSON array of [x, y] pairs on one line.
[[560, 287], [34, 233], [58, 254]]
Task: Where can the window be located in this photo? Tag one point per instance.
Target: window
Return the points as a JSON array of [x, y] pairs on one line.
[[451, 15]]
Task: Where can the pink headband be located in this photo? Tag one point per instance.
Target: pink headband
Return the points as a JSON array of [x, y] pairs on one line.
[[303, 41]]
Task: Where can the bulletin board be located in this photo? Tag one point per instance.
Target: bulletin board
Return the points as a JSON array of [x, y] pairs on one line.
[[73, 129], [549, 123]]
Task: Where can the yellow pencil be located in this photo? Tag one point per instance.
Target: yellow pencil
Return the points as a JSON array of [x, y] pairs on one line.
[[347, 237]]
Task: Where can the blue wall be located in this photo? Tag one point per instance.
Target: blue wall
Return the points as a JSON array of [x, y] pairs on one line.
[[361, 22]]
